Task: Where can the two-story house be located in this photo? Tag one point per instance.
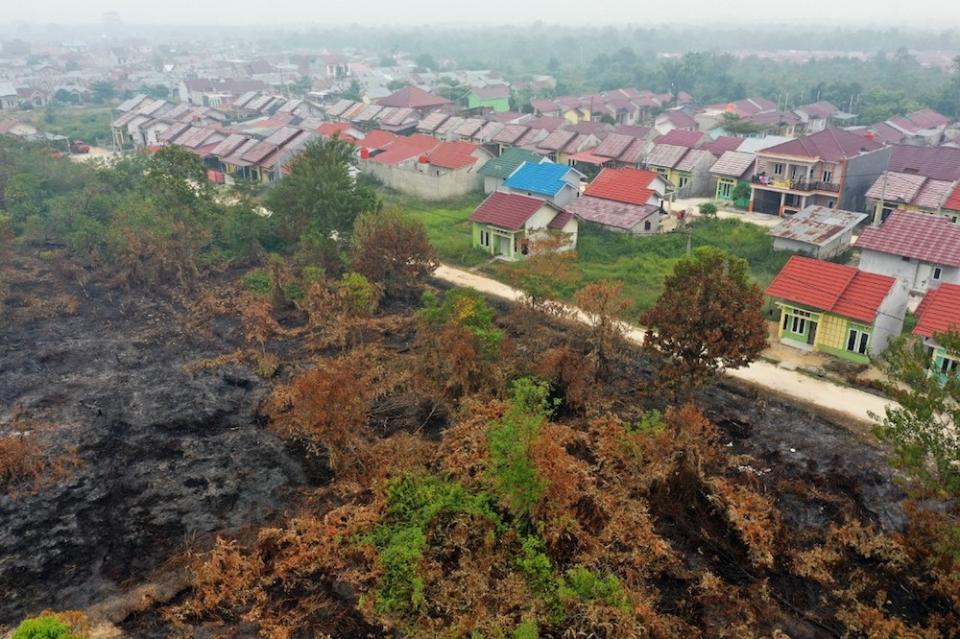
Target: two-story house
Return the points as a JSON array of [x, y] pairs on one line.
[[832, 168], [920, 250]]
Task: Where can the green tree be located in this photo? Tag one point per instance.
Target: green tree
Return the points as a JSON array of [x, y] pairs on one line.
[[921, 425], [425, 61], [708, 319], [735, 125], [321, 194], [103, 91]]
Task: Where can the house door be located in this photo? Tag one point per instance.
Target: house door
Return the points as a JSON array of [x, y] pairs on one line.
[[812, 333], [503, 245]]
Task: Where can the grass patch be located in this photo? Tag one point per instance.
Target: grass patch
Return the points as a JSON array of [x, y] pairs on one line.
[[88, 123], [641, 262], [447, 225]]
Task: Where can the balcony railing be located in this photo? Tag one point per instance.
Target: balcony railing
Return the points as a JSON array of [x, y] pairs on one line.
[[797, 185]]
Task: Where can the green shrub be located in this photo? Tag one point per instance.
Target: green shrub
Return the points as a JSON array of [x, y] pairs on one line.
[[467, 308], [414, 502], [514, 474], [586, 585], [45, 627], [258, 282], [708, 209], [526, 630], [358, 294]]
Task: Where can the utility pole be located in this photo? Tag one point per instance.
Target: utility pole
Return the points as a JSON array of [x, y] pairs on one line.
[[689, 241]]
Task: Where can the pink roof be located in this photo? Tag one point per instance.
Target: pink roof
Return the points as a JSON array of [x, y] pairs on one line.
[[453, 155], [928, 119], [623, 185], [937, 162], [939, 312], [613, 145], [921, 236], [819, 110], [679, 119], [611, 213], [557, 140], [677, 137], [550, 124], [510, 134], [722, 144], [506, 210], [835, 288], [831, 145]]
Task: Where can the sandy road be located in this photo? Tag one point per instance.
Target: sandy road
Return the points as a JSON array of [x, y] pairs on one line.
[[841, 401]]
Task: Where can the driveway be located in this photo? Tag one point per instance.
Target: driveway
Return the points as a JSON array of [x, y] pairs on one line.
[[841, 401]]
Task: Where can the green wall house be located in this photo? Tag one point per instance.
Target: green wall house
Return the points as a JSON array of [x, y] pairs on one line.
[[733, 169], [493, 96], [837, 309], [505, 223], [939, 313]]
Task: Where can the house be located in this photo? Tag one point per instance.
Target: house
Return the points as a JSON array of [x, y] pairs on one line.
[[499, 169], [426, 167], [784, 123], [686, 171], [623, 149], [9, 99], [504, 224], [816, 231], [674, 119], [415, 98], [837, 309], [557, 182], [32, 98], [939, 313], [819, 115], [624, 199], [215, 93], [917, 178], [921, 250], [492, 96], [832, 168], [921, 127], [733, 169]]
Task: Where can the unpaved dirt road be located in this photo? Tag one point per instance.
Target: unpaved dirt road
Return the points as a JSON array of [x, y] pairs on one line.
[[841, 401]]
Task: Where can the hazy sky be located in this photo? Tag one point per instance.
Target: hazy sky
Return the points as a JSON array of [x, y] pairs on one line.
[[939, 14]]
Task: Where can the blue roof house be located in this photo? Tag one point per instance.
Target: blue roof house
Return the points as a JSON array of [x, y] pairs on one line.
[[558, 183]]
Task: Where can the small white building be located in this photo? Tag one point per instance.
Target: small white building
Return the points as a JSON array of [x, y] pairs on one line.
[[817, 231]]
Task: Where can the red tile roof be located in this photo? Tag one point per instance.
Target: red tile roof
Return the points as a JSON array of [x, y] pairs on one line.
[[560, 221], [921, 236], [939, 311], [506, 210], [378, 139], [834, 288], [453, 155], [831, 145], [414, 98], [953, 202], [722, 144], [623, 185]]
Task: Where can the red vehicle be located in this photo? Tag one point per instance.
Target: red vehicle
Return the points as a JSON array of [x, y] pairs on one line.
[[79, 146]]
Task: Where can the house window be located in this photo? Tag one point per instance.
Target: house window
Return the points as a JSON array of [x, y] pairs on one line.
[[726, 190], [799, 325], [646, 225], [795, 321], [948, 366], [937, 273], [684, 180], [857, 341], [827, 177], [484, 237], [779, 168]]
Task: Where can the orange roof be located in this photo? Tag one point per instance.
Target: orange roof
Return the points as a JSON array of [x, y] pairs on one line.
[[623, 185], [836, 288], [453, 155], [939, 311]]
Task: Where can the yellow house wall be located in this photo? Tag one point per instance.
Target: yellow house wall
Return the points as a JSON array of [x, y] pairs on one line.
[[831, 331]]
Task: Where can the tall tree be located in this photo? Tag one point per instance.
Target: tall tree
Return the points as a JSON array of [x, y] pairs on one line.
[[392, 250], [707, 320], [321, 194], [921, 426]]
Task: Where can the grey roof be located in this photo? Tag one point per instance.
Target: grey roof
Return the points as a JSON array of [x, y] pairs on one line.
[[611, 213], [733, 164], [817, 225], [693, 158], [666, 155]]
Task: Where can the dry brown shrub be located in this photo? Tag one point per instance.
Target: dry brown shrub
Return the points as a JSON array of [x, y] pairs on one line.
[[751, 514], [326, 408], [27, 463], [872, 623], [256, 321], [464, 452], [869, 543], [573, 375], [817, 563]]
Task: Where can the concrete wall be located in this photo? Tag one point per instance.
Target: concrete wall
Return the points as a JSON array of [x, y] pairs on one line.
[[491, 184], [889, 322], [915, 274], [426, 184], [859, 175]]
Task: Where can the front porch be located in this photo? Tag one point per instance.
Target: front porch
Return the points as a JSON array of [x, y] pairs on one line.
[[499, 242]]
